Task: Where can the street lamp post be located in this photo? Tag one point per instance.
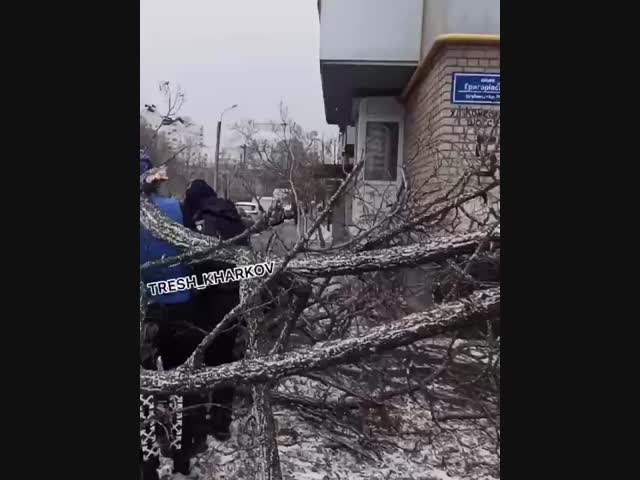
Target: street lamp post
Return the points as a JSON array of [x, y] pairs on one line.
[[244, 154], [217, 157]]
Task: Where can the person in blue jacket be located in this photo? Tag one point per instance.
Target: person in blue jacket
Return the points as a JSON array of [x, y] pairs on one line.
[[169, 315], [153, 249]]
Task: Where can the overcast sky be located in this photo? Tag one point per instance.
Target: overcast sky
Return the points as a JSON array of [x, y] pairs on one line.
[[250, 52]]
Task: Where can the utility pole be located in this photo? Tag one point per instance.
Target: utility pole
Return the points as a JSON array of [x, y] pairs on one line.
[[226, 185], [217, 158]]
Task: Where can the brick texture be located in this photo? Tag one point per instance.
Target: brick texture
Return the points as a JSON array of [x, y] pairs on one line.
[[439, 145]]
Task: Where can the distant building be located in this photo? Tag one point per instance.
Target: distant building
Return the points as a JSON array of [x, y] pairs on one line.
[[181, 134]]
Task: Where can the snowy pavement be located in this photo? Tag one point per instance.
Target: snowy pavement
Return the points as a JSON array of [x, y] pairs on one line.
[[416, 448], [286, 236]]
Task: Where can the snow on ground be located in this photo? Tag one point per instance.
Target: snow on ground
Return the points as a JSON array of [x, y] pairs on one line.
[[416, 448], [326, 235]]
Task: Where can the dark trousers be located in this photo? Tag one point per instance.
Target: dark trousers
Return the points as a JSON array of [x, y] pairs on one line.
[[174, 342], [181, 328], [211, 305]]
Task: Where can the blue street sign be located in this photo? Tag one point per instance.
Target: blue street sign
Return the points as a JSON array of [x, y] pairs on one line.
[[475, 88]]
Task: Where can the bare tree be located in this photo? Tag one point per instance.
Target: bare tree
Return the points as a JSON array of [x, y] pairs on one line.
[[185, 159], [287, 156]]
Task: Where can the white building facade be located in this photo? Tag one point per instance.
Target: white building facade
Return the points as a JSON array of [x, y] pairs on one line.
[[182, 135]]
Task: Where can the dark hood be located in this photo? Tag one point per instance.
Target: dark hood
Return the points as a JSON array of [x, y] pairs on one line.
[[196, 197], [220, 207]]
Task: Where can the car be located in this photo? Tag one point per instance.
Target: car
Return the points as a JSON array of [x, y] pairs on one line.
[[285, 197], [249, 208], [266, 202], [247, 220], [282, 194]]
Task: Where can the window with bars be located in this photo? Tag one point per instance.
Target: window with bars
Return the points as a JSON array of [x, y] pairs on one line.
[[381, 151]]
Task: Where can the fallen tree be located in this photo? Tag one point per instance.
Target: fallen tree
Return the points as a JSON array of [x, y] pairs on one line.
[[331, 290]]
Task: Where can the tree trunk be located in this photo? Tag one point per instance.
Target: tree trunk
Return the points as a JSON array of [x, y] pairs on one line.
[[268, 467]]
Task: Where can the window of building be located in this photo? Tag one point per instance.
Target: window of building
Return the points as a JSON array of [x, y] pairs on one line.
[[381, 151]]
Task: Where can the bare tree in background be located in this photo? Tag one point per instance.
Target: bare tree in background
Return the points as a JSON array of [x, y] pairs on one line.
[[185, 160], [155, 144], [337, 358], [286, 155]]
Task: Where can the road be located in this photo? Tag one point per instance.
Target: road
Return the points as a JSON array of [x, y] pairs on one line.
[[286, 238], [287, 235]]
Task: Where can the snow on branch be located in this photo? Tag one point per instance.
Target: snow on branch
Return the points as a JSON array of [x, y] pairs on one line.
[[349, 263], [343, 263], [428, 215], [163, 228], [480, 306]]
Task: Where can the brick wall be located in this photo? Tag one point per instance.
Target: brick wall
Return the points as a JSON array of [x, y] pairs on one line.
[[438, 146]]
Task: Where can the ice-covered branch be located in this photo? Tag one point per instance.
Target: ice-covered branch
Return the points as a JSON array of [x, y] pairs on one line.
[[269, 466], [428, 215], [163, 228], [344, 263], [480, 306], [349, 263]]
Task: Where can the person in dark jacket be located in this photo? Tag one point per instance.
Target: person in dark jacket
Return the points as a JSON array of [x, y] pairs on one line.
[[205, 212], [276, 214]]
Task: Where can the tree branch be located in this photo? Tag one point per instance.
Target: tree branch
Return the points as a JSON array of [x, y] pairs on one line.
[[410, 255], [427, 216], [478, 307]]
